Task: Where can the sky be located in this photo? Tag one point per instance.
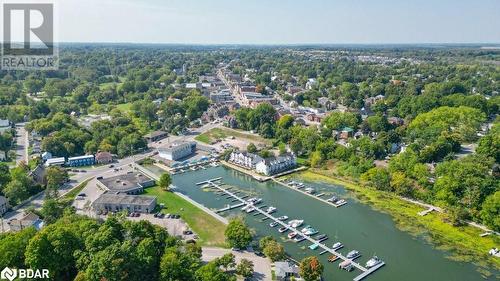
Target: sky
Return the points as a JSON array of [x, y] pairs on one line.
[[279, 21]]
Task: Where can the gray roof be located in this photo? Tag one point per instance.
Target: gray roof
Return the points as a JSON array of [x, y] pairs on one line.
[[124, 199], [3, 200], [4, 123], [125, 182], [283, 267]]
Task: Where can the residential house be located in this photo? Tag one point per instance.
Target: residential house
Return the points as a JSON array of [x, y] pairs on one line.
[[29, 219], [346, 133], [396, 121], [286, 270], [103, 157], [311, 83], [326, 103]]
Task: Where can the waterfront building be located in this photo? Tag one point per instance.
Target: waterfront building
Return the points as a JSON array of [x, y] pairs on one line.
[[245, 159], [177, 150], [275, 165], [118, 202], [79, 161]]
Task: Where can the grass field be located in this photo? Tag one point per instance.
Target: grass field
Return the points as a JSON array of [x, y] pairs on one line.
[[125, 107], [222, 133], [209, 229], [75, 191], [463, 243]]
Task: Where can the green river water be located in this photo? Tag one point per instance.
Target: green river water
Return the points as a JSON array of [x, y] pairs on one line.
[[356, 225]]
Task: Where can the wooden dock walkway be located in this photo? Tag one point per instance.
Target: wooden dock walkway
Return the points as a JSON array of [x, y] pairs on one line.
[[365, 271], [311, 195]]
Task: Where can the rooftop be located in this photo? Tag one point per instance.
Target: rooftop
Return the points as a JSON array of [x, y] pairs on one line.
[[123, 199], [125, 182]]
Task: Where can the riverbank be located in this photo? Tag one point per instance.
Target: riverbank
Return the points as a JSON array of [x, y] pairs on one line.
[[464, 243]]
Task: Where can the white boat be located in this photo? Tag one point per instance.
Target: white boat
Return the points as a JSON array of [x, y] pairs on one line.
[[353, 254], [292, 235], [273, 224], [337, 246], [373, 262], [295, 223], [339, 202], [283, 229], [251, 209], [270, 210], [310, 231], [245, 207], [305, 228], [332, 199], [309, 190], [283, 218]]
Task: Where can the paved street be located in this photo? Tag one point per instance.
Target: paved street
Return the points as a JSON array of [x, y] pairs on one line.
[[262, 265], [21, 143]]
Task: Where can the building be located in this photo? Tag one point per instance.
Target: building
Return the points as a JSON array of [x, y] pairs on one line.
[[396, 121], [156, 136], [46, 156], [79, 161], [311, 83], [177, 150], [130, 183], [4, 205], [59, 161], [38, 175], [4, 125], [30, 219], [346, 133], [3, 155], [118, 202], [222, 96], [275, 165], [245, 159], [286, 270], [103, 157]]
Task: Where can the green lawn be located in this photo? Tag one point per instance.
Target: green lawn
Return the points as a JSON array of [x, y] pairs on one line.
[[209, 229], [222, 133], [125, 107]]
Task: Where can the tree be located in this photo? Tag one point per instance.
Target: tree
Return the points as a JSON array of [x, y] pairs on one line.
[[52, 209], [226, 261], [165, 181], [211, 272], [56, 176], [13, 246], [251, 148], [310, 269], [401, 184], [274, 251], [237, 234], [380, 178], [245, 268]]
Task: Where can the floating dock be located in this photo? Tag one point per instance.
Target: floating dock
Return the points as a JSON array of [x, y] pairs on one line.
[[365, 271], [317, 197], [230, 207]]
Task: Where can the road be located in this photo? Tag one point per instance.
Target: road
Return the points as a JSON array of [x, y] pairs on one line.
[[21, 143]]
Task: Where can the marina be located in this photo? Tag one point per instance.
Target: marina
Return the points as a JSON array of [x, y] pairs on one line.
[[300, 187], [285, 227], [357, 225]]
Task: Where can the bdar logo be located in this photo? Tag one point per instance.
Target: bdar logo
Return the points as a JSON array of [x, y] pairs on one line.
[[8, 273]]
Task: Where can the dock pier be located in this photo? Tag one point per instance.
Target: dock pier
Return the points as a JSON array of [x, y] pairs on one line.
[[326, 249]]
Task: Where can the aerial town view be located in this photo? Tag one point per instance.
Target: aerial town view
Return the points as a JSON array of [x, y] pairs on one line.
[[250, 140]]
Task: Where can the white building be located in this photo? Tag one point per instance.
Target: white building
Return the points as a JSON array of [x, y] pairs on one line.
[[245, 159], [274, 165], [55, 162], [177, 150]]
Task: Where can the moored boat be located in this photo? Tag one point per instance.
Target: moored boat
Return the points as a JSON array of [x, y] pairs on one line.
[[283, 218], [283, 229], [295, 223], [270, 210], [337, 246], [332, 258], [353, 254], [299, 238], [373, 262], [314, 246], [292, 235], [273, 224]]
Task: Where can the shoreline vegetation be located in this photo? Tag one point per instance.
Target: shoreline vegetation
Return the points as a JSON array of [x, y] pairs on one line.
[[462, 243]]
